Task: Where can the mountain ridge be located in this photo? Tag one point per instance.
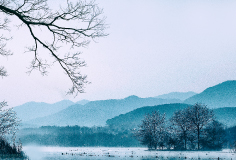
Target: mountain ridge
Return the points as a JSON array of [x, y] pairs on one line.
[[97, 112], [218, 96], [177, 95], [32, 110]]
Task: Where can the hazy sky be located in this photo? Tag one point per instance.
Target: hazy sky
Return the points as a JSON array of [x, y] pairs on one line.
[[154, 47]]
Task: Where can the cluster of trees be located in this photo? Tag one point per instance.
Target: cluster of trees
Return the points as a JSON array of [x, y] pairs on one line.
[[193, 128]]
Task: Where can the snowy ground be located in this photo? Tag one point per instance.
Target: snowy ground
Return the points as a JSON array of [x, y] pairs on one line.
[[96, 153]]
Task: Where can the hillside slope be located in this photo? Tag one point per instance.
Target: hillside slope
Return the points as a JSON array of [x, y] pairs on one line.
[[226, 115], [177, 95], [221, 95], [32, 110]]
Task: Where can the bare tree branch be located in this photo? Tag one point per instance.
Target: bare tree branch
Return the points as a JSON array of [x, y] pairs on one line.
[[35, 14], [3, 72]]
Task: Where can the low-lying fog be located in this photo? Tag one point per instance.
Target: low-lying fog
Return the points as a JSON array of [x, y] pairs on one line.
[[96, 153]]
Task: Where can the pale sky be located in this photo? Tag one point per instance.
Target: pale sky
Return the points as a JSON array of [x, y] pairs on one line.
[[154, 47]]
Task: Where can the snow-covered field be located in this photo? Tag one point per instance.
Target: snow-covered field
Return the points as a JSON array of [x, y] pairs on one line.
[[108, 153]]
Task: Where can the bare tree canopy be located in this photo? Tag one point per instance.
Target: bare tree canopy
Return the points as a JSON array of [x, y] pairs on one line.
[[8, 120], [72, 26], [152, 130], [199, 117], [181, 125], [3, 72]]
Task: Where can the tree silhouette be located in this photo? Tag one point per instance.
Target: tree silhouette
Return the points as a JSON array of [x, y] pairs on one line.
[[152, 130], [199, 117], [181, 126], [8, 120], [8, 126]]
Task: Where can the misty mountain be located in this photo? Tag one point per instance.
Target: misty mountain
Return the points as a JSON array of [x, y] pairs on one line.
[[177, 95], [32, 110], [226, 115], [97, 112], [83, 102], [221, 95], [132, 119]]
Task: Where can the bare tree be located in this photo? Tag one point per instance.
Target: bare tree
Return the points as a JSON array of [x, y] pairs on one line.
[[152, 130], [181, 126], [199, 116], [8, 120], [73, 25], [172, 137], [3, 72], [144, 133]]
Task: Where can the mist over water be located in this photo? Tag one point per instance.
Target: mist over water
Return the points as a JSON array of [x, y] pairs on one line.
[[35, 152]]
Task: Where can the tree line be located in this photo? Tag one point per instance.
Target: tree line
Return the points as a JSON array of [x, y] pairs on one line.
[[192, 128], [76, 136]]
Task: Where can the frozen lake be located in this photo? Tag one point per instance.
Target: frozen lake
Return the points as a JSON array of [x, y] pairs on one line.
[[109, 153]]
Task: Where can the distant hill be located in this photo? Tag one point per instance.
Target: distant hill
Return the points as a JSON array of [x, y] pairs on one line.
[[132, 119], [97, 112], [226, 115], [32, 110], [221, 95], [177, 95], [83, 102]]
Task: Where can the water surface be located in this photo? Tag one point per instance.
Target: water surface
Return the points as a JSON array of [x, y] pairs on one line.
[[112, 153]]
